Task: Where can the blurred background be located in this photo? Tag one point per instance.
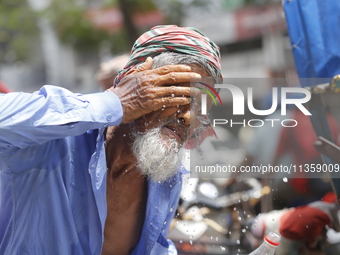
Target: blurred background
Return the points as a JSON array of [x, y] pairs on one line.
[[63, 42]]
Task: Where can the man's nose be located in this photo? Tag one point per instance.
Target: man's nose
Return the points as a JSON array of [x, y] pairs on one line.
[[185, 116]]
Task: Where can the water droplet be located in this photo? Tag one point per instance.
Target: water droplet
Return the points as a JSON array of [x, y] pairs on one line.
[[244, 230], [190, 242], [165, 222], [124, 135], [222, 248], [203, 120], [238, 241], [180, 241], [285, 179], [172, 95]]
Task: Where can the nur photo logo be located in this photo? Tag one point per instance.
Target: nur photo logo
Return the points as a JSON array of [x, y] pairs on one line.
[[243, 101], [213, 95]]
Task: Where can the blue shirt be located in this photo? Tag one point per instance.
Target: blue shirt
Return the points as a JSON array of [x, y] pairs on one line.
[[53, 176]]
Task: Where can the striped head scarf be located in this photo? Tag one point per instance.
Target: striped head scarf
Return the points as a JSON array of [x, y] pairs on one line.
[[171, 38]]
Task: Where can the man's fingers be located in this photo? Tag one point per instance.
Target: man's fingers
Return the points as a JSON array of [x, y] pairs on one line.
[[171, 102], [176, 91], [175, 78], [147, 65], [171, 68]]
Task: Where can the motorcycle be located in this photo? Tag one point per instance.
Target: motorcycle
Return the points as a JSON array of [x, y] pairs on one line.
[[209, 223]]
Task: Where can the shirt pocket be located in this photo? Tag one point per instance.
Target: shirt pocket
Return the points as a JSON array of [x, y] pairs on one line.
[[163, 247]]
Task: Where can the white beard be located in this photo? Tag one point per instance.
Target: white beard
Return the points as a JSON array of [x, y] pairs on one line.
[[158, 159]]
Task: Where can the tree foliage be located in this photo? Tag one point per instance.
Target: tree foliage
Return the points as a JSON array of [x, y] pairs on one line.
[[18, 30], [74, 28]]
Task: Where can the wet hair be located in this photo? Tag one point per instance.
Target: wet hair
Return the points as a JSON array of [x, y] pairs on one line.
[[171, 58]]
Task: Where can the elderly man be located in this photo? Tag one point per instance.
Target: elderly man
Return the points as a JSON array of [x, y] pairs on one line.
[[98, 174]]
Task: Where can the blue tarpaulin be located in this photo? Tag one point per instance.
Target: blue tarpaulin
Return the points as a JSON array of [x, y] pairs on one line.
[[314, 31]]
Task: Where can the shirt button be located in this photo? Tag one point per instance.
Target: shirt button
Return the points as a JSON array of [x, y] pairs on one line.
[[109, 117]]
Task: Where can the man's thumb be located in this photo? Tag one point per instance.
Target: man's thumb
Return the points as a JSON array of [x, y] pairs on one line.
[[147, 65]]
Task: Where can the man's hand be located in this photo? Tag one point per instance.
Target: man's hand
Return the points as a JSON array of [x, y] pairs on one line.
[[143, 90]]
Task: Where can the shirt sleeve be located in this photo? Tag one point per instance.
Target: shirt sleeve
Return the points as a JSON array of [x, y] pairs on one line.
[[53, 113]]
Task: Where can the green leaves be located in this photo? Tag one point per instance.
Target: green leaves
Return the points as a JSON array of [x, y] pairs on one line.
[[18, 30], [74, 27]]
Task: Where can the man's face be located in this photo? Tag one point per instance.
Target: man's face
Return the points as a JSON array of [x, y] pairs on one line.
[[160, 136]]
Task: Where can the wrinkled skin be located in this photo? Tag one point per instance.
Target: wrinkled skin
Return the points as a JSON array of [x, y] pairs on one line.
[[143, 91], [126, 187]]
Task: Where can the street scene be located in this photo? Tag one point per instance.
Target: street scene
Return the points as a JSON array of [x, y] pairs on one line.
[[169, 127]]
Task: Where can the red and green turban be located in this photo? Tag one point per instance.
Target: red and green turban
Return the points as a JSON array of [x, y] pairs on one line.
[[171, 38]]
